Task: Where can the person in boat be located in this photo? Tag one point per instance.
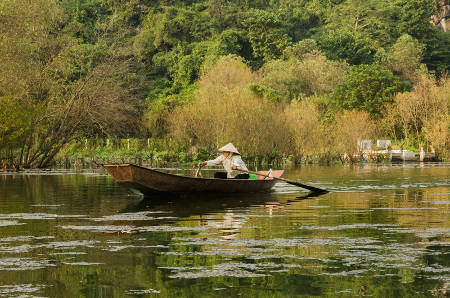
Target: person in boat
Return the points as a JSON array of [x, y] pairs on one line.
[[231, 161]]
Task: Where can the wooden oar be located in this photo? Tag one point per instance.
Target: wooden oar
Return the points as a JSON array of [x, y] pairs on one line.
[[198, 173], [296, 183]]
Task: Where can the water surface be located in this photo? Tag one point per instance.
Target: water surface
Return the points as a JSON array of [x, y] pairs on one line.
[[383, 231]]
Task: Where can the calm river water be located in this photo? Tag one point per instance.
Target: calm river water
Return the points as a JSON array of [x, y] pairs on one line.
[[383, 231]]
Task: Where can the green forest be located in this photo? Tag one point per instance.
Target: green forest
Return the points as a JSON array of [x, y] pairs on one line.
[[282, 79]]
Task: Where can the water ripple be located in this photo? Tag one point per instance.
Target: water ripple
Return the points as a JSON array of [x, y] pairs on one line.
[[345, 227], [82, 263], [132, 229], [136, 216], [20, 289], [24, 238], [22, 264], [239, 270], [37, 216], [122, 247], [346, 273], [142, 292], [5, 223], [51, 245]]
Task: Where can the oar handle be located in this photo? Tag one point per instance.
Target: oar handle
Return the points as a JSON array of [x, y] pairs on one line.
[[197, 173]]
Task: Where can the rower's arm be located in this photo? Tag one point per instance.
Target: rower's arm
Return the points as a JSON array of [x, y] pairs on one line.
[[215, 162]]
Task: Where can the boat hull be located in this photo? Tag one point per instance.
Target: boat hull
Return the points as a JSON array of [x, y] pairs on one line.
[[148, 181]]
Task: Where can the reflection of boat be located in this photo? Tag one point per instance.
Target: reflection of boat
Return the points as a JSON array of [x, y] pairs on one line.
[[149, 181], [226, 213], [200, 204]]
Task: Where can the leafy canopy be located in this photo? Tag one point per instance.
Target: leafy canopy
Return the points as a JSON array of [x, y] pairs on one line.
[[367, 88]]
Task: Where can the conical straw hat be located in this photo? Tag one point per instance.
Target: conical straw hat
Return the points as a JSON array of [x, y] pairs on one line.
[[229, 148]]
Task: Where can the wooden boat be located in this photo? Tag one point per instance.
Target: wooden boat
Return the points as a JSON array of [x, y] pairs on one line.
[[149, 181]]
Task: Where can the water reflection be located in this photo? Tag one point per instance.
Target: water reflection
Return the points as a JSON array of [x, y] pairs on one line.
[[226, 214], [198, 204], [384, 231]]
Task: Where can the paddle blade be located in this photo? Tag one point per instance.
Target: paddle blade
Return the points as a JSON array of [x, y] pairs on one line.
[[308, 187]]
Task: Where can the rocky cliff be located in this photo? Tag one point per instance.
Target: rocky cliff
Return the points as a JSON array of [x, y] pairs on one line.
[[441, 20]]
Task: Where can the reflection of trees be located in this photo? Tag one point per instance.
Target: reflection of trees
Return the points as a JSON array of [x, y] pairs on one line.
[[263, 230]]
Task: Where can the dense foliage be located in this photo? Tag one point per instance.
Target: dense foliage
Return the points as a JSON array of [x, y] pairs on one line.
[[76, 69]]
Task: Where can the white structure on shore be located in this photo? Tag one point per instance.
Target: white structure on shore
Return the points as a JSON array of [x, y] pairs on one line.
[[365, 146]]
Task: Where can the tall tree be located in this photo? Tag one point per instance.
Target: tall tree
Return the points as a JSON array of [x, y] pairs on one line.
[[266, 34], [367, 88], [57, 86], [346, 45]]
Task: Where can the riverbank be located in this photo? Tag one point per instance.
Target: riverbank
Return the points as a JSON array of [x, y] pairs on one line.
[[92, 153]]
